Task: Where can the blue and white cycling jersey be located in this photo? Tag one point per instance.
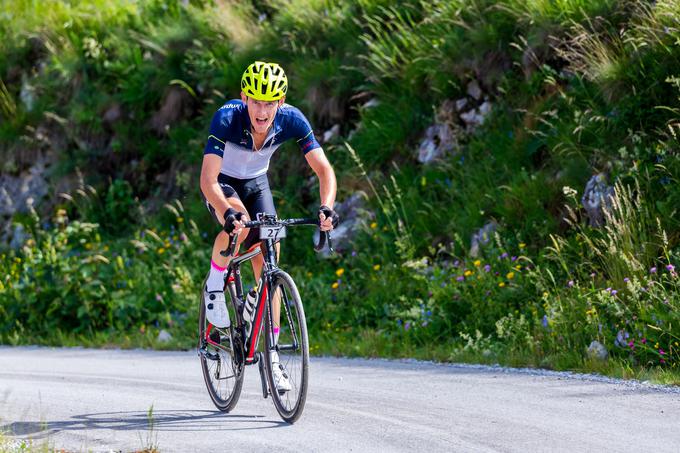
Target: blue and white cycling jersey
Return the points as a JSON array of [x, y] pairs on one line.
[[230, 138]]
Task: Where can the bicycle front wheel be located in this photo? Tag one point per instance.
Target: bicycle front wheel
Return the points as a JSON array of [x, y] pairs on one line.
[[287, 355], [221, 354]]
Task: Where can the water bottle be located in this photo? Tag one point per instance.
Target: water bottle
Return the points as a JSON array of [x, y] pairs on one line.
[[249, 310]]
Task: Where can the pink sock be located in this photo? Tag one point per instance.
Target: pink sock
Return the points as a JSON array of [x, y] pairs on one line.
[[217, 267], [216, 277]]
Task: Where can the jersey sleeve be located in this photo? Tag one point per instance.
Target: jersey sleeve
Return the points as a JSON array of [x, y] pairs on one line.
[[217, 136], [303, 133]]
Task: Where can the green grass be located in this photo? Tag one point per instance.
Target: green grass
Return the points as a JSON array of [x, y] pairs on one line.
[[372, 344], [577, 87], [10, 445]]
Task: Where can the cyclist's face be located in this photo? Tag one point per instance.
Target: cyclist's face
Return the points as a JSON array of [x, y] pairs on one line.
[[261, 113]]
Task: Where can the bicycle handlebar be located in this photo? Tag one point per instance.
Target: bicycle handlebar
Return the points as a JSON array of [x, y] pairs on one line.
[[324, 236], [281, 222]]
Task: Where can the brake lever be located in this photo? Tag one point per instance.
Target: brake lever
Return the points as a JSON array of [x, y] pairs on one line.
[[322, 241], [324, 237], [229, 251], [330, 242]]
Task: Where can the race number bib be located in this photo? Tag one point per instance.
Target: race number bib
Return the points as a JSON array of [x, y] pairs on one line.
[[272, 232]]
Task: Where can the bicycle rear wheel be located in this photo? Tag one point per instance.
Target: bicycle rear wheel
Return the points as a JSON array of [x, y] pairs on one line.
[[221, 356], [292, 348]]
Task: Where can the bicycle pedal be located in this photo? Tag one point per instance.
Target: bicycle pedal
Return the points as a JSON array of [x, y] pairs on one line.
[[208, 355]]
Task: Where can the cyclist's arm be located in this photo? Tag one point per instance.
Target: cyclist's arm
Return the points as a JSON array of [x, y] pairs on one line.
[[315, 156], [212, 164], [316, 159], [212, 161]]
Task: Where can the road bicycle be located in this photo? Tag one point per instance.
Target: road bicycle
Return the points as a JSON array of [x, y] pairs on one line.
[[225, 352]]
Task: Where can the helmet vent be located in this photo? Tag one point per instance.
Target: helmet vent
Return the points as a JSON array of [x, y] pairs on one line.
[[264, 81]]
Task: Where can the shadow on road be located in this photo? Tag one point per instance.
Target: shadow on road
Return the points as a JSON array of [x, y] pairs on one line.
[[167, 420]]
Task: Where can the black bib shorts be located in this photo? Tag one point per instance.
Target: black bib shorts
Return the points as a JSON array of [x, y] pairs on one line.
[[255, 195]]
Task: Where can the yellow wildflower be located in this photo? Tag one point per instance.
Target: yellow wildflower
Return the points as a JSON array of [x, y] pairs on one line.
[[376, 267], [656, 346], [522, 245], [501, 284], [518, 267], [61, 212], [510, 275], [335, 285], [467, 273], [339, 272], [161, 250], [180, 219], [545, 294], [88, 246], [374, 226], [477, 263]]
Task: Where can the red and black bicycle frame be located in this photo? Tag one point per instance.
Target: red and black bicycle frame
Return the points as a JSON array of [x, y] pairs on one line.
[[235, 286]]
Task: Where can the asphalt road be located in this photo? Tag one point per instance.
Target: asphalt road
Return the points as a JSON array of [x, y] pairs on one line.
[[98, 400]]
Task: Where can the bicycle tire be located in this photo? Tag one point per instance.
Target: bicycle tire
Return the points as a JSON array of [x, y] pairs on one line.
[[293, 331], [214, 359]]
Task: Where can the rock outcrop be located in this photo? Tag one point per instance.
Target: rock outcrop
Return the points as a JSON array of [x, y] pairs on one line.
[[352, 213], [452, 121], [177, 104], [482, 237], [597, 198]]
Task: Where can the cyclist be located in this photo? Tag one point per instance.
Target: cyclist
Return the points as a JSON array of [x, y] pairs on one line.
[[244, 134]]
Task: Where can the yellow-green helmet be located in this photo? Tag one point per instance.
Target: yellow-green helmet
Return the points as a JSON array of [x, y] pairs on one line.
[[264, 81]]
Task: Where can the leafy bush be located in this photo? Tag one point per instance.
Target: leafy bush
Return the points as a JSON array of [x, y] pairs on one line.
[[621, 291], [68, 279], [577, 87]]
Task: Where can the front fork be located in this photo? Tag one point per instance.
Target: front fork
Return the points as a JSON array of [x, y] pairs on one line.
[[263, 378]]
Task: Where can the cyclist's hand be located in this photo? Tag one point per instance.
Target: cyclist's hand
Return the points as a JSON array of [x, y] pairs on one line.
[[233, 221], [329, 218]]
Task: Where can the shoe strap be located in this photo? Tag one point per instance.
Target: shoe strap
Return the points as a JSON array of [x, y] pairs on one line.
[[217, 293]]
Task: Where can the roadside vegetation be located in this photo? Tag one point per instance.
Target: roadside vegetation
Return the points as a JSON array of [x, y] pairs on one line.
[[117, 96]]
